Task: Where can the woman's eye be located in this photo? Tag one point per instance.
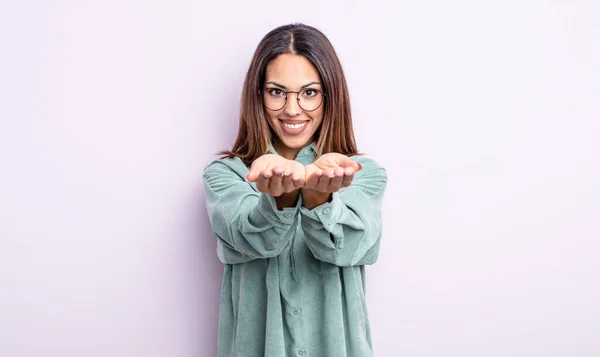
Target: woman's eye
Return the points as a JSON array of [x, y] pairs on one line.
[[275, 92], [310, 93]]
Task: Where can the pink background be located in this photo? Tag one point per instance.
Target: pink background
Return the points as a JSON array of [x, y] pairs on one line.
[[487, 117]]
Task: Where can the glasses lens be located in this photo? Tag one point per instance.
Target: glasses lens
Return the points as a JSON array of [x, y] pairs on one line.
[[274, 98], [310, 99]]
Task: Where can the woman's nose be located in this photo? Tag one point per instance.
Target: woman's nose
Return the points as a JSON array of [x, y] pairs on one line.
[[292, 108]]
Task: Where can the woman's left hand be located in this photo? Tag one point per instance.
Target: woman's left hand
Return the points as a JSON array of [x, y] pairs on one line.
[[330, 173]]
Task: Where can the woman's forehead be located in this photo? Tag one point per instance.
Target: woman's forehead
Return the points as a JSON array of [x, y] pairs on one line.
[[291, 70]]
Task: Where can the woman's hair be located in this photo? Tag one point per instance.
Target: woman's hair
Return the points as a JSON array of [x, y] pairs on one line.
[[335, 133]]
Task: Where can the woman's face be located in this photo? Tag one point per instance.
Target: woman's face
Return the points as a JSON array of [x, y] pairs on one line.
[[294, 126]]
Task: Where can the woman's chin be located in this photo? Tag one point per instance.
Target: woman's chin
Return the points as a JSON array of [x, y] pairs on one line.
[[296, 143]]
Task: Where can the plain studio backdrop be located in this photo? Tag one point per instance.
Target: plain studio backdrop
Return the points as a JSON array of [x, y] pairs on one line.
[[485, 114]]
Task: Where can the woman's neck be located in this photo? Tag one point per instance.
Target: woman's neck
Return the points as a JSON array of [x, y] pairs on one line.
[[286, 152]]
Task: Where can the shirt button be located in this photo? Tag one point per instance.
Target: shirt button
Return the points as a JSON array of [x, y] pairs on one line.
[[326, 210], [301, 352], [297, 311], [287, 215]]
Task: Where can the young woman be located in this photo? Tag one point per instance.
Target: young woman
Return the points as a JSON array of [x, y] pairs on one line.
[[295, 209]]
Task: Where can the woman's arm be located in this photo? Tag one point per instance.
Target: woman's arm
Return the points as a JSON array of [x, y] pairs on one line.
[[247, 223], [346, 230]]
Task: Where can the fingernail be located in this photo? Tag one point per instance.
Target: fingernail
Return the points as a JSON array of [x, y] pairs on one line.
[[287, 173]]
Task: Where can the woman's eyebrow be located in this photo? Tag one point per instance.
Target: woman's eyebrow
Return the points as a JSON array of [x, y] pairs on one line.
[[284, 87]]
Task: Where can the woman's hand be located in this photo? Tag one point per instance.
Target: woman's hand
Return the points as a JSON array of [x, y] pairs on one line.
[[330, 173], [275, 175]]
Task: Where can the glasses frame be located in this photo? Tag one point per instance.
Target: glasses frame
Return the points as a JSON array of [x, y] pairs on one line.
[[297, 98]]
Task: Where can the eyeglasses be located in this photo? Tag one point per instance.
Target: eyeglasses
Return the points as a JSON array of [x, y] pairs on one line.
[[309, 99]]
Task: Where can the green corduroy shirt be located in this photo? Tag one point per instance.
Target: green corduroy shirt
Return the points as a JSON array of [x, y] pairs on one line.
[[294, 279]]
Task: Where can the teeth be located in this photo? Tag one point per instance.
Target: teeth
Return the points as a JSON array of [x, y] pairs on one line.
[[294, 126]]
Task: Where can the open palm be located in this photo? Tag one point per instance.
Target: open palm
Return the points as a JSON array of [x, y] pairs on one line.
[[275, 175], [330, 172]]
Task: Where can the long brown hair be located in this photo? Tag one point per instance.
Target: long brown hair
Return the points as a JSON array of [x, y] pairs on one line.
[[335, 133]]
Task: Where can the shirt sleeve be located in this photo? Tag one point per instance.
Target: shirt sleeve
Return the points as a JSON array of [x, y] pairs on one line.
[[347, 230], [246, 222]]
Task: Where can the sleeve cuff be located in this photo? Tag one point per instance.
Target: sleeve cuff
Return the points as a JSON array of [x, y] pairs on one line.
[[328, 213], [268, 208]]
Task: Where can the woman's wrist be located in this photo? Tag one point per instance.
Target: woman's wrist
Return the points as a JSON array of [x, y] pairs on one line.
[[289, 199], [313, 198]]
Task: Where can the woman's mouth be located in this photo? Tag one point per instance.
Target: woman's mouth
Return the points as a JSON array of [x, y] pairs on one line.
[[293, 127]]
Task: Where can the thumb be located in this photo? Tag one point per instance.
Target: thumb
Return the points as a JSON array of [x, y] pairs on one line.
[[345, 161], [255, 169], [251, 176]]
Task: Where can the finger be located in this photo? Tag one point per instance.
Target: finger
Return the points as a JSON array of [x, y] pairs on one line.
[[277, 170], [312, 179], [323, 183], [275, 184], [330, 172], [256, 168], [288, 169], [336, 182], [298, 173], [287, 182], [252, 175], [268, 171], [262, 183], [298, 182], [348, 176], [348, 162]]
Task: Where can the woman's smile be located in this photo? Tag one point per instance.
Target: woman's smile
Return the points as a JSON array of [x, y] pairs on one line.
[[293, 127]]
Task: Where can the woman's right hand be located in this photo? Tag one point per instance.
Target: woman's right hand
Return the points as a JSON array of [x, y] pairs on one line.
[[276, 175]]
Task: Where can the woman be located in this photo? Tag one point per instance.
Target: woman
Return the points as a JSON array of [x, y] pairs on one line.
[[295, 209]]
